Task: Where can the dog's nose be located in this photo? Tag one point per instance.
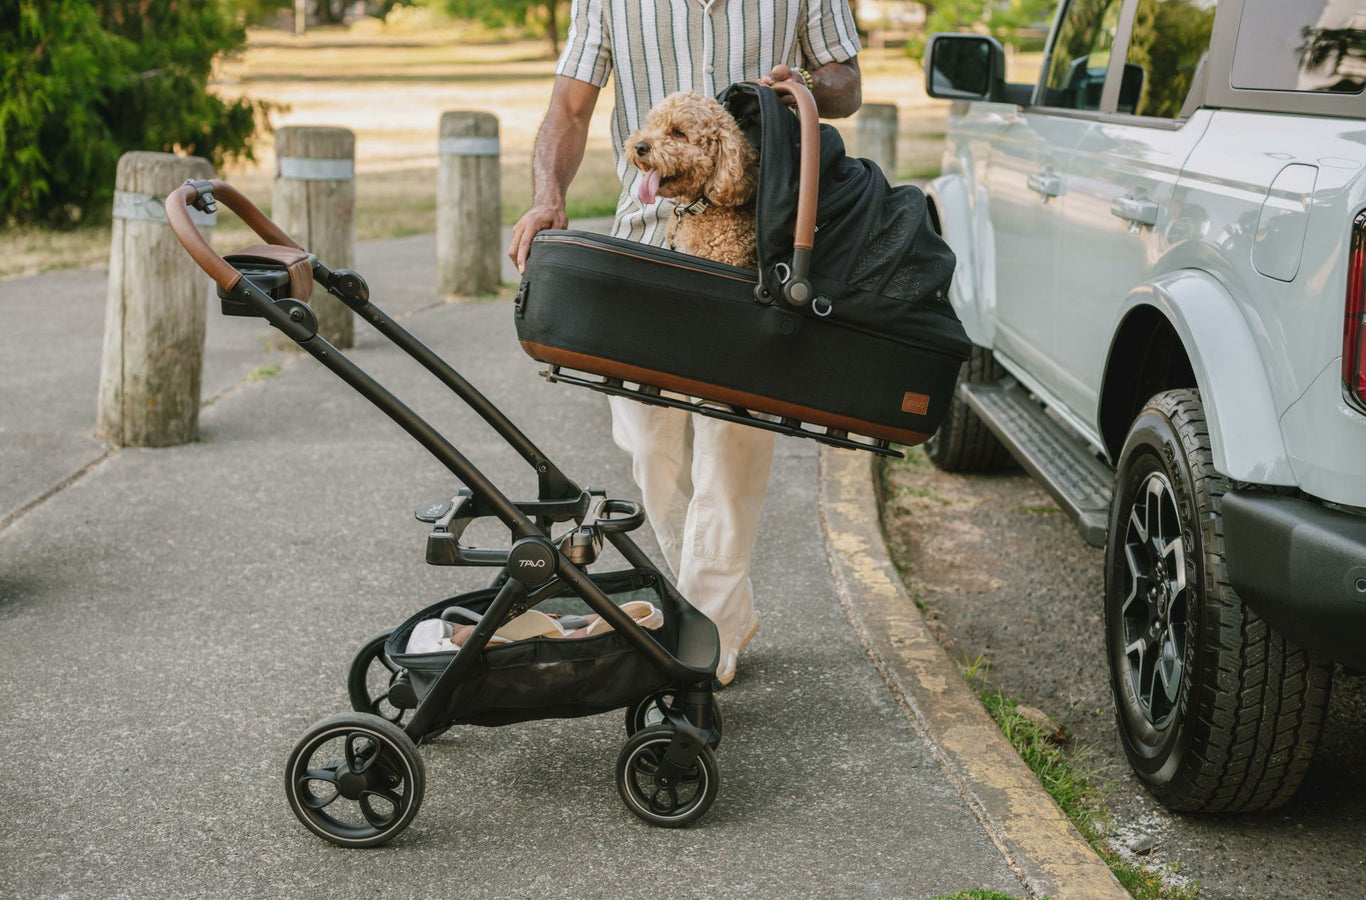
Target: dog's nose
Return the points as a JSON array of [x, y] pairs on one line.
[[642, 148]]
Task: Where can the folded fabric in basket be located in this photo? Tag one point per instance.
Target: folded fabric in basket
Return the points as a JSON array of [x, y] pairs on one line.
[[440, 635]]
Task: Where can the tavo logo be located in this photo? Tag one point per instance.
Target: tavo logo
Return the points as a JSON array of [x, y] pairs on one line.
[[531, 563]]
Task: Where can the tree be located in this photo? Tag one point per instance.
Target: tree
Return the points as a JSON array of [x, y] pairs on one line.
[[86, 80], [495, 13], [1003, 19]]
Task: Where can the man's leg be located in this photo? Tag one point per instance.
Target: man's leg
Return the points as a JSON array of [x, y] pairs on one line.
[[730, 467], [659, 441]]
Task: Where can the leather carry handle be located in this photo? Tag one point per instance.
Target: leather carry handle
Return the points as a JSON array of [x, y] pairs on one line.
[[178, 216], [808, 175]]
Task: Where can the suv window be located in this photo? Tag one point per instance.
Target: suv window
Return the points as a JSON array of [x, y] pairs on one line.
[[1081, 54], [1301, 45], [1168, 46]]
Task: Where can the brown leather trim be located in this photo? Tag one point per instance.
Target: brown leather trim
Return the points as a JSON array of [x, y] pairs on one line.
[[809, 171], [294, 260], [658, 262], [178, 216], [916, 404], [612, 369]]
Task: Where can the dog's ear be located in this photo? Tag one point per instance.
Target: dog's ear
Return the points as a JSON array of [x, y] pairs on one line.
[[732, 182]]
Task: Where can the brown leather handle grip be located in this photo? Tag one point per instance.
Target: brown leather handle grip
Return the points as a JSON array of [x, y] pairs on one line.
[[808, 174], [219, 269]]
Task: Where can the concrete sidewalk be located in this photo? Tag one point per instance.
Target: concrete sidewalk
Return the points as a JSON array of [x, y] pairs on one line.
[[173, 620]]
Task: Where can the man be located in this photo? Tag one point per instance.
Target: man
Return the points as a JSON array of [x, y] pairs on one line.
[[702, 479]]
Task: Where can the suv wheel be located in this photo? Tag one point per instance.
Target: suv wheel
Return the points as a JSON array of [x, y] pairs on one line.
[[1217, 712], [963, 442]]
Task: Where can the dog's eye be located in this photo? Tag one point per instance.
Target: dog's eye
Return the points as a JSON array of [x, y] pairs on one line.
[[678, 134]]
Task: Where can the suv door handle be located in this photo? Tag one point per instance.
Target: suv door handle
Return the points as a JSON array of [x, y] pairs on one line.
[[1137, 210], [1046, 184]]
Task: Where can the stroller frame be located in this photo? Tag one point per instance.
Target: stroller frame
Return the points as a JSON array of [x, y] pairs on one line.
[[380, 769]]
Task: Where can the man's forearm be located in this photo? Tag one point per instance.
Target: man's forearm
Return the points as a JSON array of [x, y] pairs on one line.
[[555, 160], [838, 89]]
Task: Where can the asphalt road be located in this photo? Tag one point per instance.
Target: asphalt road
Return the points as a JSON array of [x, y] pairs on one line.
[[1007, 577]]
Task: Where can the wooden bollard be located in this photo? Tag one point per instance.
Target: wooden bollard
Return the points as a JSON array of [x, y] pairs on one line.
[[877, 128], [154, 315], [315, 203], [469, 204]]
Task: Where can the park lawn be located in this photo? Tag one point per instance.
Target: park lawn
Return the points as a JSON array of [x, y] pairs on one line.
[[390, 85]]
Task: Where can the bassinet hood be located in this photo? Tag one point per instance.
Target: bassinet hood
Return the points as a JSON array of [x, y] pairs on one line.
[[876, 256]]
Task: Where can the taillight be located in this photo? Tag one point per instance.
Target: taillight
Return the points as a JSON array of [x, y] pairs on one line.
[[1353, 326]]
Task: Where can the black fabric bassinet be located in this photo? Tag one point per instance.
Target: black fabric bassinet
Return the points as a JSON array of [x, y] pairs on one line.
[[846, 324]]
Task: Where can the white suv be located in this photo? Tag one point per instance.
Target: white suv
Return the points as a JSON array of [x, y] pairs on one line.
[[1161, 260]]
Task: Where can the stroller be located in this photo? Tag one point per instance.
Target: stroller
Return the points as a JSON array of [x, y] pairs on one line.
[[357, 779]]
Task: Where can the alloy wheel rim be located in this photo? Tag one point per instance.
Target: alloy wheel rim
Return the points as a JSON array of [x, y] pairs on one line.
[[1155, 610]]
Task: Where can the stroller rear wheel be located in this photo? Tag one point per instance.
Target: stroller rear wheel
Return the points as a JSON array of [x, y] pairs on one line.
[[372, 679], [655, 709], [355, 780], [667, 803]]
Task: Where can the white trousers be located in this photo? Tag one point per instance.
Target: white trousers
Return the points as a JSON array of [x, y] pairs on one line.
[[703, 482]]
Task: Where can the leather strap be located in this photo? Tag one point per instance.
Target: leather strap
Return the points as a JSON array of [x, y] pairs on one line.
[[295, 261], [809, 170]]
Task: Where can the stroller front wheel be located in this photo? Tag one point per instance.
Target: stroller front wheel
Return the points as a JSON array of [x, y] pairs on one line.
[[655, 709], [356, 780], [663, 802]]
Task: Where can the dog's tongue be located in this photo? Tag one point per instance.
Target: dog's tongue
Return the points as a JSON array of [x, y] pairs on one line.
[[649, 186]]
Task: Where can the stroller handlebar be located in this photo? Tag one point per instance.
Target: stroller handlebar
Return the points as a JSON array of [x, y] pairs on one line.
[[808, 175], [202, 194]]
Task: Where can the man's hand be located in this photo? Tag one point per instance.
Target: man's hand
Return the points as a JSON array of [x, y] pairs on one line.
[[536, 220], [781, 72], [836, 86]]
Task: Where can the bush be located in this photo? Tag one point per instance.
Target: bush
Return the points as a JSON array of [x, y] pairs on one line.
[[88, 80]]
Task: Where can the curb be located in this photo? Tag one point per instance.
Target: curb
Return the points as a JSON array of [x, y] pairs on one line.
[[1039, 844]]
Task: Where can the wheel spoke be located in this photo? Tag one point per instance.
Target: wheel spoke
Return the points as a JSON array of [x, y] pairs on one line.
[[647, 763], [1136, 523], [317, 801], [1138, 580], [669, 803], [373, 816], [358, 759], [1155, 507]]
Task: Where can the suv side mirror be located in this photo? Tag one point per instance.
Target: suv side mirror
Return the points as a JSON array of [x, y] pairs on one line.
[[965, 67]]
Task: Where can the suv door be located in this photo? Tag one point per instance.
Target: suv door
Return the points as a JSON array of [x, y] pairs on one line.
[[1120, 185], [1032, 149]]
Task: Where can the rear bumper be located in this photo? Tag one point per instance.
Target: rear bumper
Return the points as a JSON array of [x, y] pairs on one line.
[[1302, 568]]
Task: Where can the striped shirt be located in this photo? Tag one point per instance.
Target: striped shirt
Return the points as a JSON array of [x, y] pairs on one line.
[[657, 47]]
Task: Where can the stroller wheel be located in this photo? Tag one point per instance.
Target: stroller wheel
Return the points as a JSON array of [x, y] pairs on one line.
[[653, 709], [355, 780], [671, 805], [371, 680]]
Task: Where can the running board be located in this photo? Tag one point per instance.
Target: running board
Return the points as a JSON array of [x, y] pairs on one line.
[[1061, 461]]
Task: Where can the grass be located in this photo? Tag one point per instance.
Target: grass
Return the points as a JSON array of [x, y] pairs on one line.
[[1067, 783], [261, 373]]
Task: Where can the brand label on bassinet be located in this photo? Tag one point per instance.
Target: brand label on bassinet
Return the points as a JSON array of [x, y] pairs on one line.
[[915, 404]]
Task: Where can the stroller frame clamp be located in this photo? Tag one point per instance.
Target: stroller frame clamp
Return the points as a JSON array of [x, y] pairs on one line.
[[357, 779]]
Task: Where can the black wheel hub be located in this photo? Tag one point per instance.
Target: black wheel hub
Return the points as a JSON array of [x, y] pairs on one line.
[[1157, 600], [352, 784]]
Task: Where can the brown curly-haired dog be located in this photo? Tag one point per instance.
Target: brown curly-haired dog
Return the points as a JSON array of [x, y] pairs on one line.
[[692, 151]]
